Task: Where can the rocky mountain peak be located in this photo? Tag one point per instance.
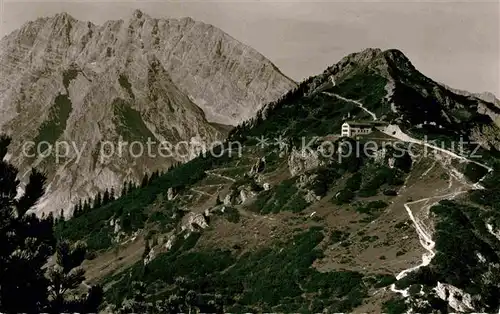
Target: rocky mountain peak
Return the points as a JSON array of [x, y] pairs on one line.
[[376, 59], [139, 78], [64, 16], [395, 55], [364, 55], [358, 58], [489, 97], [137, 14]]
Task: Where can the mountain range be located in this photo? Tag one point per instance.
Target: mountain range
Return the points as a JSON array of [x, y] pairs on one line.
[[73, 82]]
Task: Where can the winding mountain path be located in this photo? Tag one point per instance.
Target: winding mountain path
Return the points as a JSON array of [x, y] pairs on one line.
[[201, 192], [360, 105], [425, 236], [395, 131], [210, 172]]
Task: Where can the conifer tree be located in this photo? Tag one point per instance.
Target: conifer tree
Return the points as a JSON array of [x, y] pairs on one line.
[[153, 177], [106, 197], [131, 186], [112, 196], [86, 206], [124, 189], [145, 181], [26, 242], [147, 249], [97, 201], [66, 276], [80, 207]]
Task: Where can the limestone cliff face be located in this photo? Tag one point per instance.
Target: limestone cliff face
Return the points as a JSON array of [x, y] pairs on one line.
[[228, 80], [142, 79]]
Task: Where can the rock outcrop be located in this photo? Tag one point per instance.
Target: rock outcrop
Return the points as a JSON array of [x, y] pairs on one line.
[[304, 183], [456, 298], [170, 194], [258, 167], [194, 221], [228, 199], [303, 160]]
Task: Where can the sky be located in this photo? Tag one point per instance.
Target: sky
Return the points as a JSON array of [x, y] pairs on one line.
[[453, 42]]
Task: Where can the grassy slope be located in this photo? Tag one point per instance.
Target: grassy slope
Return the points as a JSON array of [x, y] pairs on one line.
[[55, 125], [277, 278], [130, 124]]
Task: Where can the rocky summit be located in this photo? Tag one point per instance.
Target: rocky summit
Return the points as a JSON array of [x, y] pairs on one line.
[[70, 81]]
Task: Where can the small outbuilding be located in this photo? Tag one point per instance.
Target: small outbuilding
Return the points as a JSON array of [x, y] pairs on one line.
[[352, 128]]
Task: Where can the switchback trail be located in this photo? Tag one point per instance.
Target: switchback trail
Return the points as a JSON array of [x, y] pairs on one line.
[[424, 234], [360, 105], [210, 172]]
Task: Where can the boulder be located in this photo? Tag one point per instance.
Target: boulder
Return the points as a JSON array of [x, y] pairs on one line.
[[228, 200], [170, 194], [195, 220]]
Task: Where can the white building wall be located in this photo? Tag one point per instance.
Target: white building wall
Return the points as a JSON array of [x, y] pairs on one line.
[[348, 130]]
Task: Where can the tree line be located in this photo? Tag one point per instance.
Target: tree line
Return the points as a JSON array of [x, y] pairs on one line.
[[109, 195]]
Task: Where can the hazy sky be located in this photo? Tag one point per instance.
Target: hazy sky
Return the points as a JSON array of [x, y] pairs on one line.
[[457, 43]]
